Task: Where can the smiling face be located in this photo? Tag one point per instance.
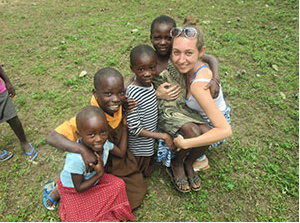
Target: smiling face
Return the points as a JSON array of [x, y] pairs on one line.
[[110, 93], [161, 39], [185, 54], [94, 132], [144, 68]]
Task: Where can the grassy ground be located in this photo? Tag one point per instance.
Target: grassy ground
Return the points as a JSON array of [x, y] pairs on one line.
[[45, 45]]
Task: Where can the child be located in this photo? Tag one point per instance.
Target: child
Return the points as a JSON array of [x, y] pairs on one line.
[[95, 196], [108, 93], [9, 114], [142, 122]]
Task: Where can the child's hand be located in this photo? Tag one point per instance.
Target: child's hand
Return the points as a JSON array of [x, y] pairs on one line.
[[11, 90], [129, 104], [169, 141], [165, 92], [99, 166], [214, 88], [179, 142]]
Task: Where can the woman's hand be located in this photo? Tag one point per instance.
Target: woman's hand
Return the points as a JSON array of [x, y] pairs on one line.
[[179, 142], [165, 92], [99, 166], [214, 88]]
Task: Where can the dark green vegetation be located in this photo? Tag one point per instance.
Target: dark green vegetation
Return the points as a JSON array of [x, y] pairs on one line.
[[253, 177]]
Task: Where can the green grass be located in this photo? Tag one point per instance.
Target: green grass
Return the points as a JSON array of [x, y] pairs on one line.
[[254, 176]]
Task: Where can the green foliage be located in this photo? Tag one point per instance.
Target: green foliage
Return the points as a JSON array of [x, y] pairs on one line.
[[254, 176]]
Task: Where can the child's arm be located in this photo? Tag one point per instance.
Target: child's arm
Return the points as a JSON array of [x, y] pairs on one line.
[[10, 88], [80, 184], [120, 150], [157, 135], [213, 85], [59, 141], [131, 79]]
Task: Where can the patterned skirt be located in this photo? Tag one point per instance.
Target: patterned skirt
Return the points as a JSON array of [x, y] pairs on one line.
[[106, 201]]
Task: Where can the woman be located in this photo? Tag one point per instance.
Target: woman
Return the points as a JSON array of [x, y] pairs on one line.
[[187, 51]]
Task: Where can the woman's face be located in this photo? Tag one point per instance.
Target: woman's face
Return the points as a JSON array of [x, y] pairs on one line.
[[185, 54]]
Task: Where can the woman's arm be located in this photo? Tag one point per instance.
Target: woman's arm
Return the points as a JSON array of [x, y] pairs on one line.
[[213, 85], [221, 128]]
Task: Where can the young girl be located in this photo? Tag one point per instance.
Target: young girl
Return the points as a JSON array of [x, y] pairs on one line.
[[95, 196], [108, 94], [9, 114], [142, 122], [187, 51]]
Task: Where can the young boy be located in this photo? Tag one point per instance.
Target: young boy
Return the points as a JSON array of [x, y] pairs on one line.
[[94, 196], [9, 114], [109, 94], [142, 121]]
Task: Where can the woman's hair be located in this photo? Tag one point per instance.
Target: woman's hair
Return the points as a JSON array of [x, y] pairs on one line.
[[139, 51], [162, 19], [191, 21]]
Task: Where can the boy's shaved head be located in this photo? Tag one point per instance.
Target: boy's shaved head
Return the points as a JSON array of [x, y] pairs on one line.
[[87, 113], [105, 72], [139, 51], [162, 19]]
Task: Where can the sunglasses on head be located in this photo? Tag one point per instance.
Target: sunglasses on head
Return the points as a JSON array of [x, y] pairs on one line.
[[188, 32]]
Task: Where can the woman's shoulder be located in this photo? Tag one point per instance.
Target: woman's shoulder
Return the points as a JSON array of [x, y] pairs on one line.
[[204, 73]]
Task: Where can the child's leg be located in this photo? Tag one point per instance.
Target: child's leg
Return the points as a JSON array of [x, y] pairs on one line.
[[193, 130], [17, 127], [55, 195]]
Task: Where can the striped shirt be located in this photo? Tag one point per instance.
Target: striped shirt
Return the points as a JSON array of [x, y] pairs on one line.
[[144, 116]]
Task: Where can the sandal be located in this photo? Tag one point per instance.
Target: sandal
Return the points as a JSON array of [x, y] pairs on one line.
[[6, 155], [194, 181], [177, 181], [31, 152], [48, 188]]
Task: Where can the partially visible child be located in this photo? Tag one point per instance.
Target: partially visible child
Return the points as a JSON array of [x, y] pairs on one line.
[[9, 114], [109, 95], [95, 196], [142, 121]]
